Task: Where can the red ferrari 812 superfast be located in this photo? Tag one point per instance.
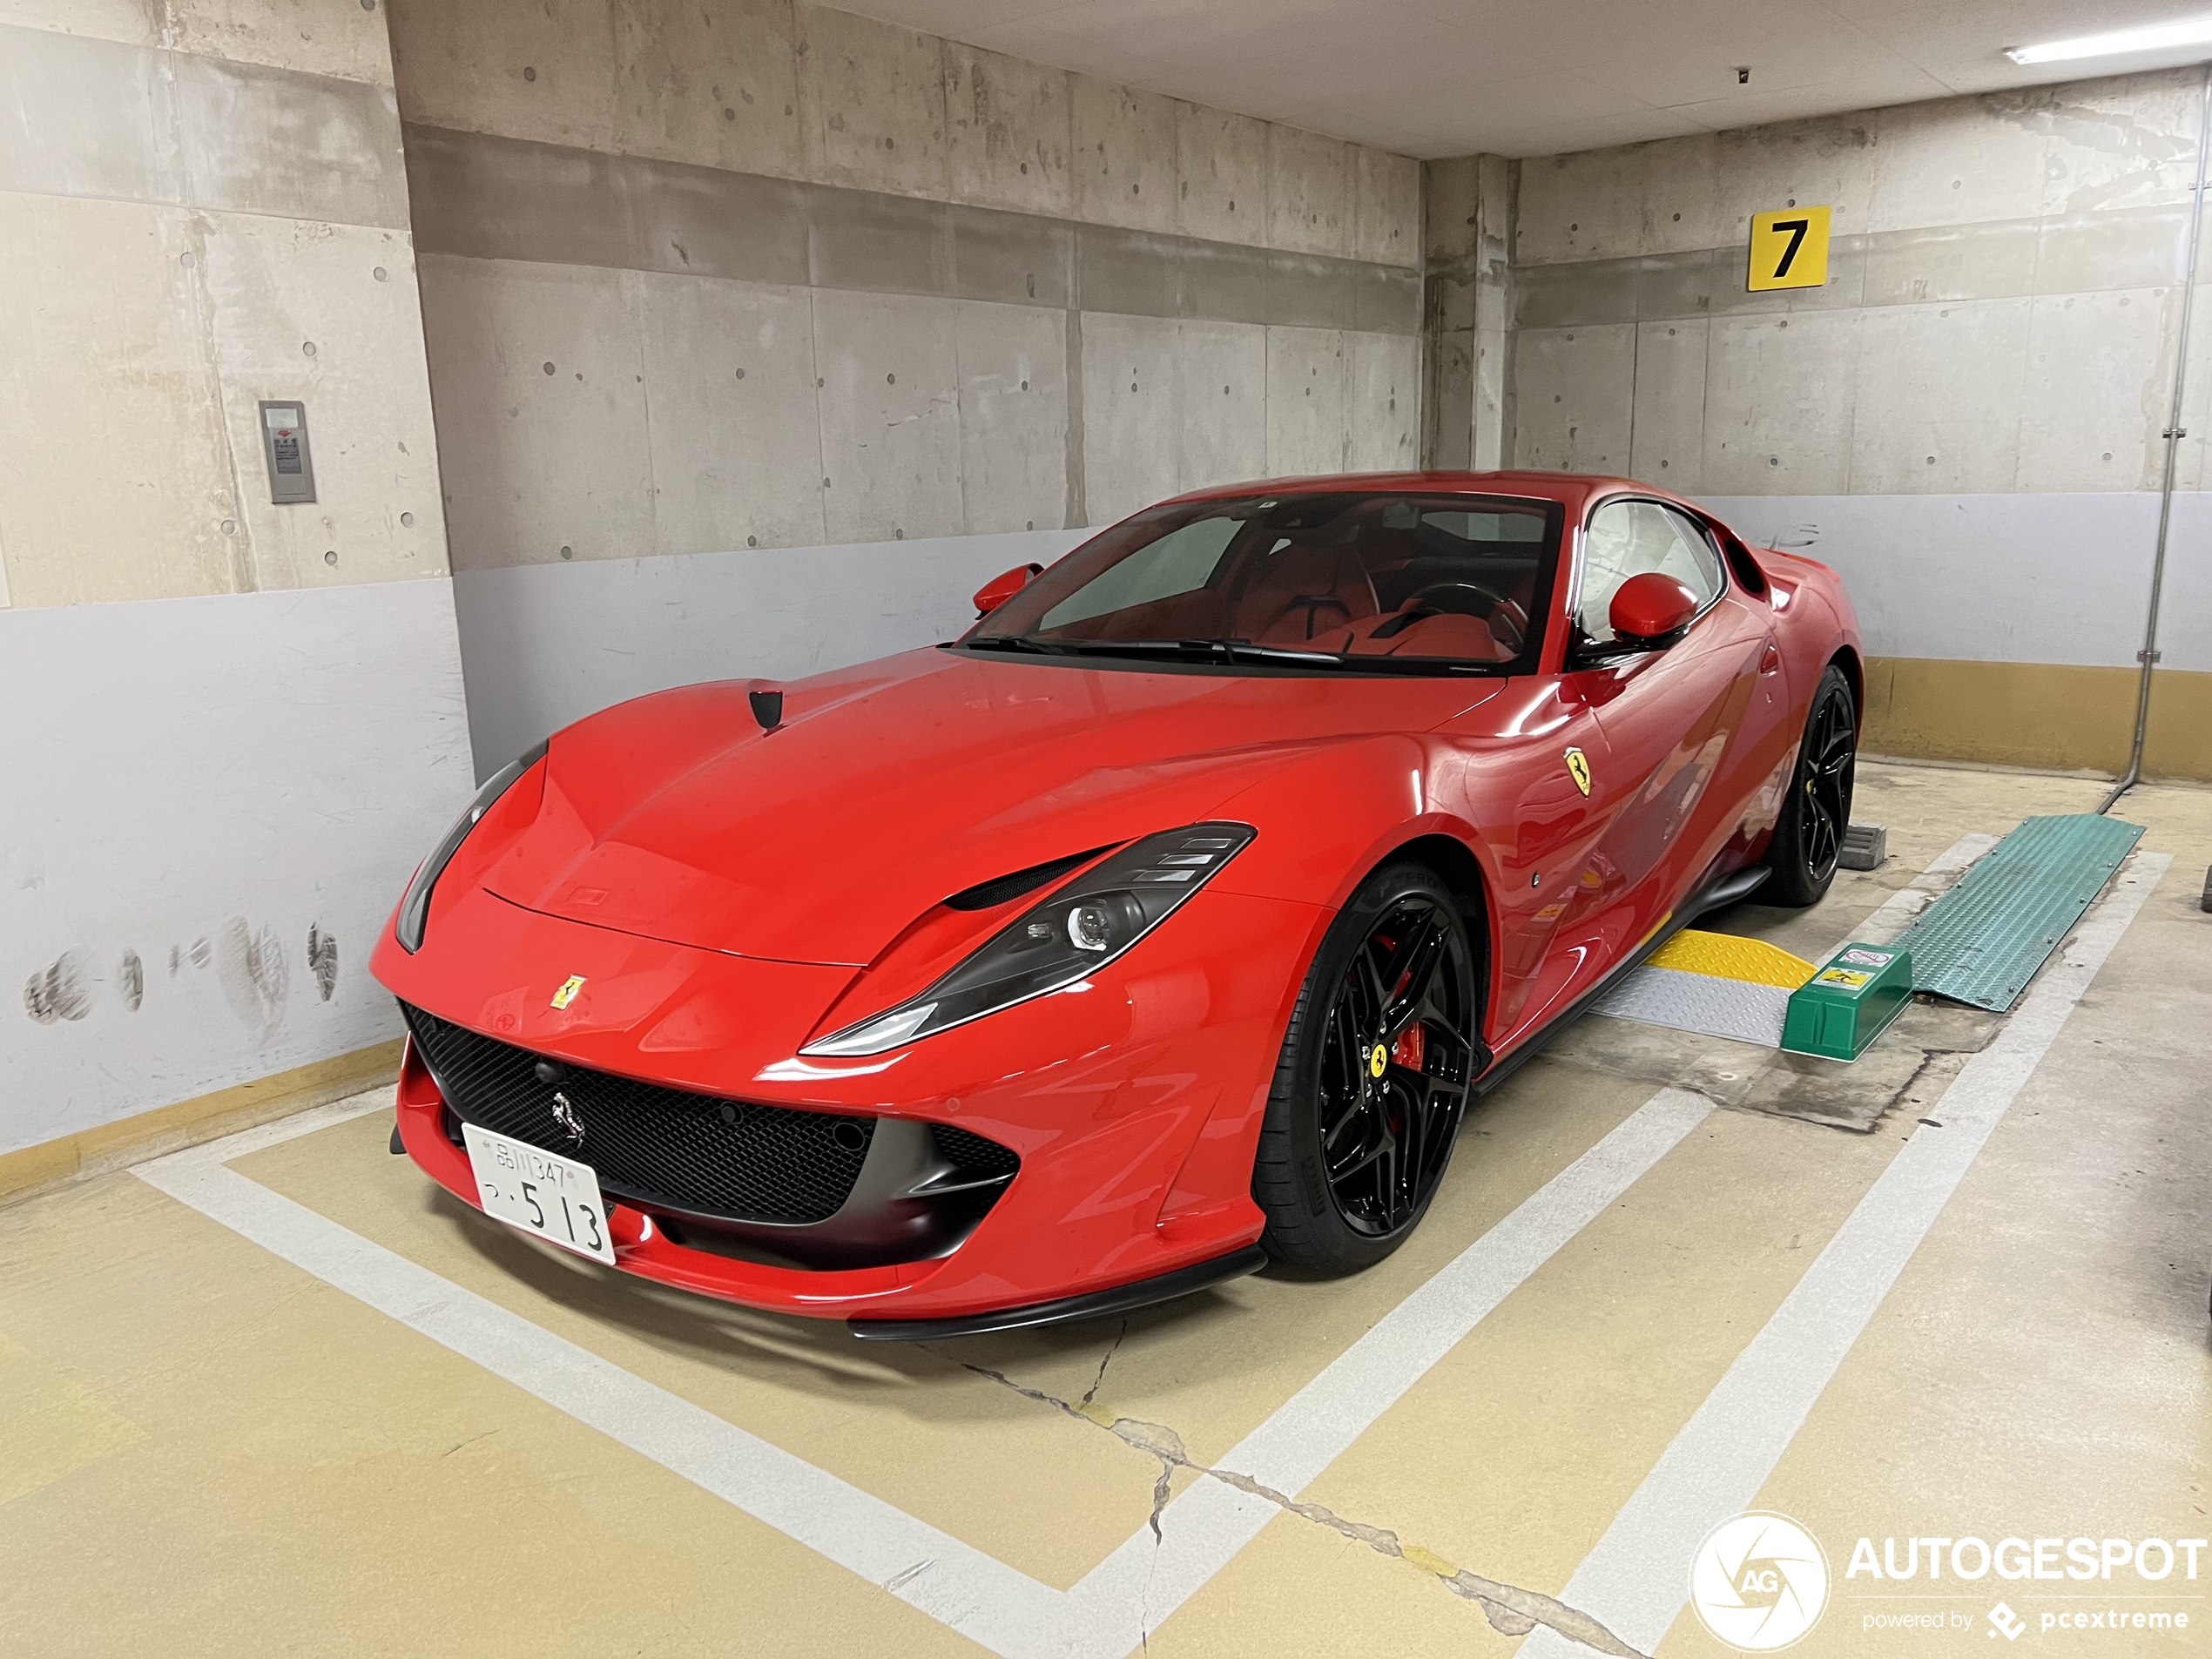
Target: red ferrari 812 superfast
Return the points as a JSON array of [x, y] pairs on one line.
[[1163, 925]]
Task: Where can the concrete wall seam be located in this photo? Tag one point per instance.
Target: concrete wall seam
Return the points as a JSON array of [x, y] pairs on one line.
[[493, 197]]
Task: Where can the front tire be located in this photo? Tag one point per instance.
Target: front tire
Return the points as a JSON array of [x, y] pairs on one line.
[[1809, 832], [1376, 1070]]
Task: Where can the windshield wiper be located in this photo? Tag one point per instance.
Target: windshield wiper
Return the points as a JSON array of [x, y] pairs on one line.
[[1233, 651], [1013, 642], [1207, 651], [1230, 652]]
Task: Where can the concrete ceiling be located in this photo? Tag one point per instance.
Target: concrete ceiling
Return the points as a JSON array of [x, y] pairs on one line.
[[1532, 78]]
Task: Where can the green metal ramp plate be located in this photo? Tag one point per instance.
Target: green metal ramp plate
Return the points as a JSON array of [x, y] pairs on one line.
[[1982, 941]]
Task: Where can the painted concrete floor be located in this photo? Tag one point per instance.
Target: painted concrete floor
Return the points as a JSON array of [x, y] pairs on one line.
[[209, 1449]]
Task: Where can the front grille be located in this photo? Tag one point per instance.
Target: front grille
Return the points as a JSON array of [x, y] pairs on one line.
[[696, 1153]]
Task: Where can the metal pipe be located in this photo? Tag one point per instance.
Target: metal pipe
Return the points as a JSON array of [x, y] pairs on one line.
[[2174, 434]]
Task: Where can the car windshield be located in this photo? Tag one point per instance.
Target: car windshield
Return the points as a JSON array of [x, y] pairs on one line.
[[1350, 582]]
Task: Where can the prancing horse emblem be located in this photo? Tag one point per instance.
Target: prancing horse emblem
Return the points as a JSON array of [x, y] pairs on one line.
[[1578, 768], [564, 1114]]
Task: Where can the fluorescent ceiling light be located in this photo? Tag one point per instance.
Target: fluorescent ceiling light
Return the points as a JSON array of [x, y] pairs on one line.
[[2151, 38]]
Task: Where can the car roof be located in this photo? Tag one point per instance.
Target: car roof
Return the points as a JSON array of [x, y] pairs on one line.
[[1576, 489]]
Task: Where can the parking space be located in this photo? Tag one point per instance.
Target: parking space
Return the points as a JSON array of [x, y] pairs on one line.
[[1623, 1276]]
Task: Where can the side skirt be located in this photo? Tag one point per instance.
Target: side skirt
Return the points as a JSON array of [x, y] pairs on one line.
[[1716, 894]]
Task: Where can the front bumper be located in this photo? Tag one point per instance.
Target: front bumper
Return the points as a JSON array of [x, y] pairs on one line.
[[808, 1189], [1133, 1102]]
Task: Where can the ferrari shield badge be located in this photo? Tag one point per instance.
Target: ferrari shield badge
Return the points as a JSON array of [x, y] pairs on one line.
[[1378, 1061], [574, 983], [1578, 768]]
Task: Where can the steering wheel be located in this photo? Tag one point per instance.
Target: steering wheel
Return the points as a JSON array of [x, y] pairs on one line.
[[1505, 619], [1436, 590]]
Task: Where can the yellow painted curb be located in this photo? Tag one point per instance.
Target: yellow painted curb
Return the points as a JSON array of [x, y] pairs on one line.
[[1751, 961]]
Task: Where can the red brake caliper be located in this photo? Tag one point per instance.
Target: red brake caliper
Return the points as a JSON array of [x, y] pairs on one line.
[[1412, 1048]]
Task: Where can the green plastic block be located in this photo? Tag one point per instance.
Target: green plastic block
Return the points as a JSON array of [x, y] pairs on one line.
[[1849, 1004]]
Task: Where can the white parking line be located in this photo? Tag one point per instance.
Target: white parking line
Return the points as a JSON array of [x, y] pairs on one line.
[[1204, 1529], [1109, 1612], [1636, 1579], [963, 1587]]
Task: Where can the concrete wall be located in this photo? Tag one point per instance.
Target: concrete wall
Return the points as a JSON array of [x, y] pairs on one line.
[[226, 728], [1965, 420], [1467, 215], [768, 286]]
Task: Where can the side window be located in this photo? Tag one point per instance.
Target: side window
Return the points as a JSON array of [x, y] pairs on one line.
[[1178, 562], [1630, 537]]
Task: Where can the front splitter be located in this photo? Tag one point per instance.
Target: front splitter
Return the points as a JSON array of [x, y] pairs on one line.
[[1121, 1298]]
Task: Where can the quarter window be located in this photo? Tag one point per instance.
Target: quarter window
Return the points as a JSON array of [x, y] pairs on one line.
[[1630, 537]]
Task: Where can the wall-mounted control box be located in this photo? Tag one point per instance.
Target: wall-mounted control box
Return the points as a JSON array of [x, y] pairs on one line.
[[284, 446]]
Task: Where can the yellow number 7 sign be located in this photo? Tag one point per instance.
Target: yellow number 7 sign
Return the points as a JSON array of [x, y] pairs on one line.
[[1789, 249]]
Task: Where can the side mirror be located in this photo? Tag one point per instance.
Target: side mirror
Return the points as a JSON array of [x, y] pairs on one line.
[[1647, 608], [1000, 589]]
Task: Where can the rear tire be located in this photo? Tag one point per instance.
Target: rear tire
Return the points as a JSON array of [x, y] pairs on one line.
[[1377, 1068], [1815, 813]]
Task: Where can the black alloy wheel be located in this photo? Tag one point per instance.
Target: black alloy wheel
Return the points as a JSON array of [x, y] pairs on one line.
[[1809, 832], [1376, 1072]]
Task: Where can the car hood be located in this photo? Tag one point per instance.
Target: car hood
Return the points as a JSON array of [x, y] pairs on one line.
[[890, 787]]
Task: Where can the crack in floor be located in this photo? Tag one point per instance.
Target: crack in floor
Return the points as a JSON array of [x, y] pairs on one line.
[[1113, 1348], [1511, 1610]]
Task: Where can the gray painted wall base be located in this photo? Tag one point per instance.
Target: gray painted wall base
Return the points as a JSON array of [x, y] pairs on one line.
[[210, 807], [2012, 578], [546, 644]]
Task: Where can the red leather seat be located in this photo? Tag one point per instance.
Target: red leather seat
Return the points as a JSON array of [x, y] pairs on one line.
[[1413, 632], [1304, 593]]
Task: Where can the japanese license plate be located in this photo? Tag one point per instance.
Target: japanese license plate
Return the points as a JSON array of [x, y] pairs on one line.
[[548, 1196]]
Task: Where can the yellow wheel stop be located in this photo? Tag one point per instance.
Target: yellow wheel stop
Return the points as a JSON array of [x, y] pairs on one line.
[[1753, 961]]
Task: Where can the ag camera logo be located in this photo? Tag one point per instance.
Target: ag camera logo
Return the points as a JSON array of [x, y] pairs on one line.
[[1759, 1582]]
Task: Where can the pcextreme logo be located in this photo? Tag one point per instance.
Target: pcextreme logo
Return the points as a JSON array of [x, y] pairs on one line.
[[1759, 1582]]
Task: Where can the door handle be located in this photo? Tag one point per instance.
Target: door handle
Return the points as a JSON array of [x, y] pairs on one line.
[[1771, 662]]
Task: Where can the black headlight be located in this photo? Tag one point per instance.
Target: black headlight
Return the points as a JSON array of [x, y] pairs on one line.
[[1067, 938], [414, 909]]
